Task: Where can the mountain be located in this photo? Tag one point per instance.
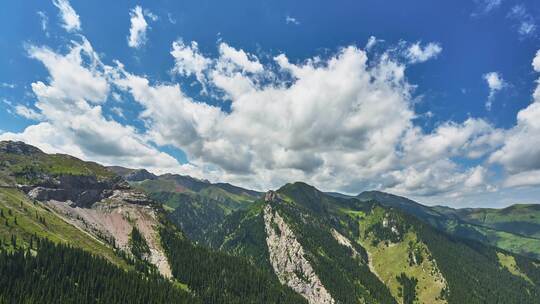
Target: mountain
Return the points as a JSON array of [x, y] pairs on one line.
[[518, 219], [196, 206], [515, 228], [345, 250], [66, 224]]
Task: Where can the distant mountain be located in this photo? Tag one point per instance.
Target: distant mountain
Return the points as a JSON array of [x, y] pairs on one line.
[[132, 175], [517, 219], [515, 228]]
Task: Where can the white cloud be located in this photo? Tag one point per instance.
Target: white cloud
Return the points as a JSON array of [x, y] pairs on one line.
[[416, 53], [71, 114], [7, 85], [27, 112], [44, 22], [495, 83], [171, 19], [341, 122], [188, 60], [486, 6], [139, 26], [231, 56], [70, 18], [291, 20], [536, 62], [372, 41], [526, 24], [335, 122], [520, 155]]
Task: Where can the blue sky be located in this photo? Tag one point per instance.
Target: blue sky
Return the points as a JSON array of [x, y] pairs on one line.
[[274, 91]]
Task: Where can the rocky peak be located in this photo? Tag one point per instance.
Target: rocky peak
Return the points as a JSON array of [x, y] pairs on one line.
[[140, 175], [270, 196], [18, 147]]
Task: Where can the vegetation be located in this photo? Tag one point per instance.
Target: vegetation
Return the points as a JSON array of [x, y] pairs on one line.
[[220, 278], [515, 228], [34, 219], [33, 166], [137, 244], [52, 273], [407, 290]]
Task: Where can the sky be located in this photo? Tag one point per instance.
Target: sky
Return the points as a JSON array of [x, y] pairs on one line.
[[438, 101]]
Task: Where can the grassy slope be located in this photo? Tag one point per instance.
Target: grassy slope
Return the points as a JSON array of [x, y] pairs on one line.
[[518, 219], [54, 228], [513, 229], [20, 168], [391, 260]]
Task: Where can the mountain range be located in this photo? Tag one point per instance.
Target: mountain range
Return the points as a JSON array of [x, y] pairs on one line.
[[79, 232]]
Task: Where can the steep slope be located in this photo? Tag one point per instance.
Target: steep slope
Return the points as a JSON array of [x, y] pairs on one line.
[[196, 206], [56, 273], [513, 228], [66, 201], [338, 250], [82, 203]]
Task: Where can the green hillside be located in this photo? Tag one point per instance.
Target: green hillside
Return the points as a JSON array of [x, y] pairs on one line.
[[365, 250], [511, 229]]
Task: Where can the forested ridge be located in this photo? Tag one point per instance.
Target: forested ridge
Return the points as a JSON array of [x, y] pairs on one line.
[[54, 273], [217, 277]]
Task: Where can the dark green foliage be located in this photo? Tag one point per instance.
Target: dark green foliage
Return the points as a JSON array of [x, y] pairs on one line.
[[415, 254], [243, 234], [195, 214], [62, 274], [137, 243], [220, 278], [347, 278], [407, 291], [473, 272]]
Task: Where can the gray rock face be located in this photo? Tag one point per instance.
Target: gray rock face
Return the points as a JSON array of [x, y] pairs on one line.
[[288, 260], [140, 175], [83, 191]]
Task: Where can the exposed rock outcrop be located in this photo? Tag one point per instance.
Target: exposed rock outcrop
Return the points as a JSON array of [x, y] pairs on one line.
[[112, 220], [288, 259], [80, 190], [140, 175], [342, 240], [18, 147]]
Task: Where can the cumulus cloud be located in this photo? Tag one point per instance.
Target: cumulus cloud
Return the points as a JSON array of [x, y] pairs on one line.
[[536, 62], [337, 122], [27, 112], [342, 121], [139, 26], [188, 60], [70, 110], [495, 83], [69, 16], [520, 155], [416, 53]]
